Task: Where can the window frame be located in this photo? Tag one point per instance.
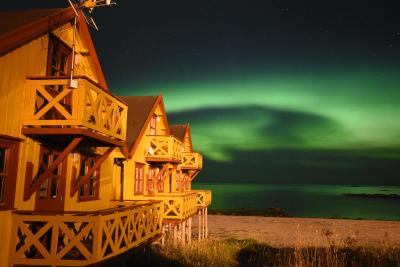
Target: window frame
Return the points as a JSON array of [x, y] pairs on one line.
[[11, 146], [161, 183], [138, 186], [55, 42], [151, 182], [94, 179]]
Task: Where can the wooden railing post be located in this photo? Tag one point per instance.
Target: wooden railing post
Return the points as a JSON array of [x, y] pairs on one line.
[[97, 237]]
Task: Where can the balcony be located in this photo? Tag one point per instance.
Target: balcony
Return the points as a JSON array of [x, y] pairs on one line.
[[177, 206], [204, 198], [54, 109], [82, 238], [192, 161], [163, 148]]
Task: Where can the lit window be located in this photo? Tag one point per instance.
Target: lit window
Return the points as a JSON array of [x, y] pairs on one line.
[[90, 189]]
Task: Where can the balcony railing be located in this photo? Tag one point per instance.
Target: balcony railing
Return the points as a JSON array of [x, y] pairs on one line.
[[204, 198], [51, 103], [177, 206], [163, 148], [192, 161], [83, 238]]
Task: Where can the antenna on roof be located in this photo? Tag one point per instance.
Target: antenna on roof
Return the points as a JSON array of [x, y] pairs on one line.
[[86, 7]]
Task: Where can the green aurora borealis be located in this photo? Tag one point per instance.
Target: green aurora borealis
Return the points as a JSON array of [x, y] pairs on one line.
[[353, 110], [351, 115]]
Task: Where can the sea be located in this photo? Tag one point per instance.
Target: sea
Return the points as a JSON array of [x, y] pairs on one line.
[[311, 201]]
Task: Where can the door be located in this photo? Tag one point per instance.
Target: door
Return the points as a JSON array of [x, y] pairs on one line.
[[51, 193]]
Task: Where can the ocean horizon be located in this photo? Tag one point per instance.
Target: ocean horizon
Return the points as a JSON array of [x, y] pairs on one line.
[[303, 200]]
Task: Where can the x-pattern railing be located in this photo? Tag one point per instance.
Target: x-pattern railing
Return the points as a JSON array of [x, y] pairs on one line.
[[52, 103], [74, 240], [192, 161], [177, 206], [203, 197], [164, 148]]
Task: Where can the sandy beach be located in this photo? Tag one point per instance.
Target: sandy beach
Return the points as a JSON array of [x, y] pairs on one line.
[[278, 231]]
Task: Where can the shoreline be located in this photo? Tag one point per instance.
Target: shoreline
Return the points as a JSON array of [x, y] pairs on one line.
[[280, 213]]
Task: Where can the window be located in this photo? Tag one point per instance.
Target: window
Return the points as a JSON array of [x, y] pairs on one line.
[[9, 150], [59, 58], [139, 175], [50, 188], [90, 189], [153, 125], [151, 180], [160, 183]]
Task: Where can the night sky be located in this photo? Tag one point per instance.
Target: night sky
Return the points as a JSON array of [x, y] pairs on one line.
[[275, 91]]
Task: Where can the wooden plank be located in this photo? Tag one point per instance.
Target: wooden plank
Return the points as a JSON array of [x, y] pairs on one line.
[[71, 131]]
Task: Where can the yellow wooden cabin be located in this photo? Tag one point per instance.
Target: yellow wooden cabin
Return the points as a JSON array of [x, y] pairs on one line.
[[58, 173], [158, 164]]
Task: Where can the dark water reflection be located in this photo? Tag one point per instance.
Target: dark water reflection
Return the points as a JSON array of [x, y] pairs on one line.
[[320, 201]]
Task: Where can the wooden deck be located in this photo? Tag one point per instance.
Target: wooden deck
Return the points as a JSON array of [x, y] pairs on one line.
[[164, 148], [177, 206], [52, 104], [192, 161], [204, 198]]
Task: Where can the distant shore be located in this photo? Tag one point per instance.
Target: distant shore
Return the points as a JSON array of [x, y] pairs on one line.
[[283, 231], [378, 196]]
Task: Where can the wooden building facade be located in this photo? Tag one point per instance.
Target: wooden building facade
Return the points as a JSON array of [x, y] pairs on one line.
[[77, 184]]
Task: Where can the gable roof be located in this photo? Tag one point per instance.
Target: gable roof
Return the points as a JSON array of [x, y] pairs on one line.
[[178, 130], [139, 109], [20, 27]]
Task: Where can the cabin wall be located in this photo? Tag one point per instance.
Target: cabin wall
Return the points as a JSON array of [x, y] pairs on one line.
[[29, 152], [27, 60]]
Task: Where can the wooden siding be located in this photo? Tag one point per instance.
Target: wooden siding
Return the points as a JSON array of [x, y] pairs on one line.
[[28, 60]]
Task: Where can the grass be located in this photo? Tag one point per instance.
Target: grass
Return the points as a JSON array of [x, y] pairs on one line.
[[234, 252]]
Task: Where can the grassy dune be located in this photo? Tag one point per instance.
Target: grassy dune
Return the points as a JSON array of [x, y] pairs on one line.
[[233, 252]]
